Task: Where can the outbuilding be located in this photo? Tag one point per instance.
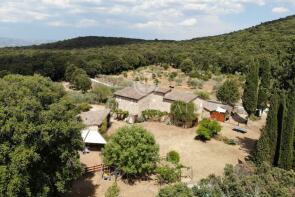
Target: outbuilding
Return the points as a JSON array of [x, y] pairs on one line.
[[217, 111], [93, 121]]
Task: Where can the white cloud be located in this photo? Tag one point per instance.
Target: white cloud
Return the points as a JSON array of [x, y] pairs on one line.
[[280, 10], [87, 23], [189, 22], [164, 18]]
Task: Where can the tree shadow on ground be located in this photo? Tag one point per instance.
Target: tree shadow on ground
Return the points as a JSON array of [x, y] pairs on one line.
[[247, 144], [83, 187], [200, 139]]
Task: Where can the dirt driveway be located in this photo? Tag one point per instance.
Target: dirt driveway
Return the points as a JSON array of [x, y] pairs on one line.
[[204, 158]]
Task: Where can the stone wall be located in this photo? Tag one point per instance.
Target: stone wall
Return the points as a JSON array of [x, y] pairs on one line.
[[128, 105]]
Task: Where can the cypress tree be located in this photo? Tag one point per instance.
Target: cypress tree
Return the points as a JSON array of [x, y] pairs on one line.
[[280, 127], [266, 145], [287, 135], [250, 95], [265, 76]]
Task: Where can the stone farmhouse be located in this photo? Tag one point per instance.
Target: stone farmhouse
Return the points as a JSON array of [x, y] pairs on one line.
[[137, 98], [140, 97]]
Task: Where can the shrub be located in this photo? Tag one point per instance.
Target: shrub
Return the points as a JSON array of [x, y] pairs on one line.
[[172, 76], [133, 151], [102, 93], [208, 128], [203, 95], [182, 113], [104, 126], [112, 104], [83, 107], [177, 190], [195, 83], [153, 114], [113, 191], [173, 157], [121, 114], [167, 174]]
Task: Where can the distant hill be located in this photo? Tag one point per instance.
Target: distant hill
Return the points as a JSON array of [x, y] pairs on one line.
[[9, 42], [88, 42]]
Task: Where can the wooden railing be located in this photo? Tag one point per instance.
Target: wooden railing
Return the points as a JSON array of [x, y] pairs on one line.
[[97, 168]]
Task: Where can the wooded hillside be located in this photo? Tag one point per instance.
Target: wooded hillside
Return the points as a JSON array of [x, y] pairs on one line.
[[227, 53]]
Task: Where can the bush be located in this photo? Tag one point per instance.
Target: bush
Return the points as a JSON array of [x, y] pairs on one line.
[[195, 83], [83, 107], [173, 157], [112, 104], [113, 191], [121, 114], [183, 113], [177, 190], [102, 93], [208, 128], [133, 151], [167, 174], [152, 114], [203, 95], [104, 127]]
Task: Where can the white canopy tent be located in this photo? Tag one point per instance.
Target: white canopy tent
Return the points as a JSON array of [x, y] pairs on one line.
[[90, 135]]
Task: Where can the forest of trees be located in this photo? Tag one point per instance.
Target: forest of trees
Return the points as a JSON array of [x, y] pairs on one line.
[[229, 53]]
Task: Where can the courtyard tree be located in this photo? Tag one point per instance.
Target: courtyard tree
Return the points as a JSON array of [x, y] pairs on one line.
[[40, 138], [229, 92], [250, 95], [182, 113], [133, 151]]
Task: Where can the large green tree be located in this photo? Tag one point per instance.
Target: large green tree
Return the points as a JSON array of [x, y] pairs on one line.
[[229, 92], [133, 151], [39, 138], [250, 95]]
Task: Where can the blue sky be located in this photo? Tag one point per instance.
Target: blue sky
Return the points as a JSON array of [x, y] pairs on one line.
[[149, 19]]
